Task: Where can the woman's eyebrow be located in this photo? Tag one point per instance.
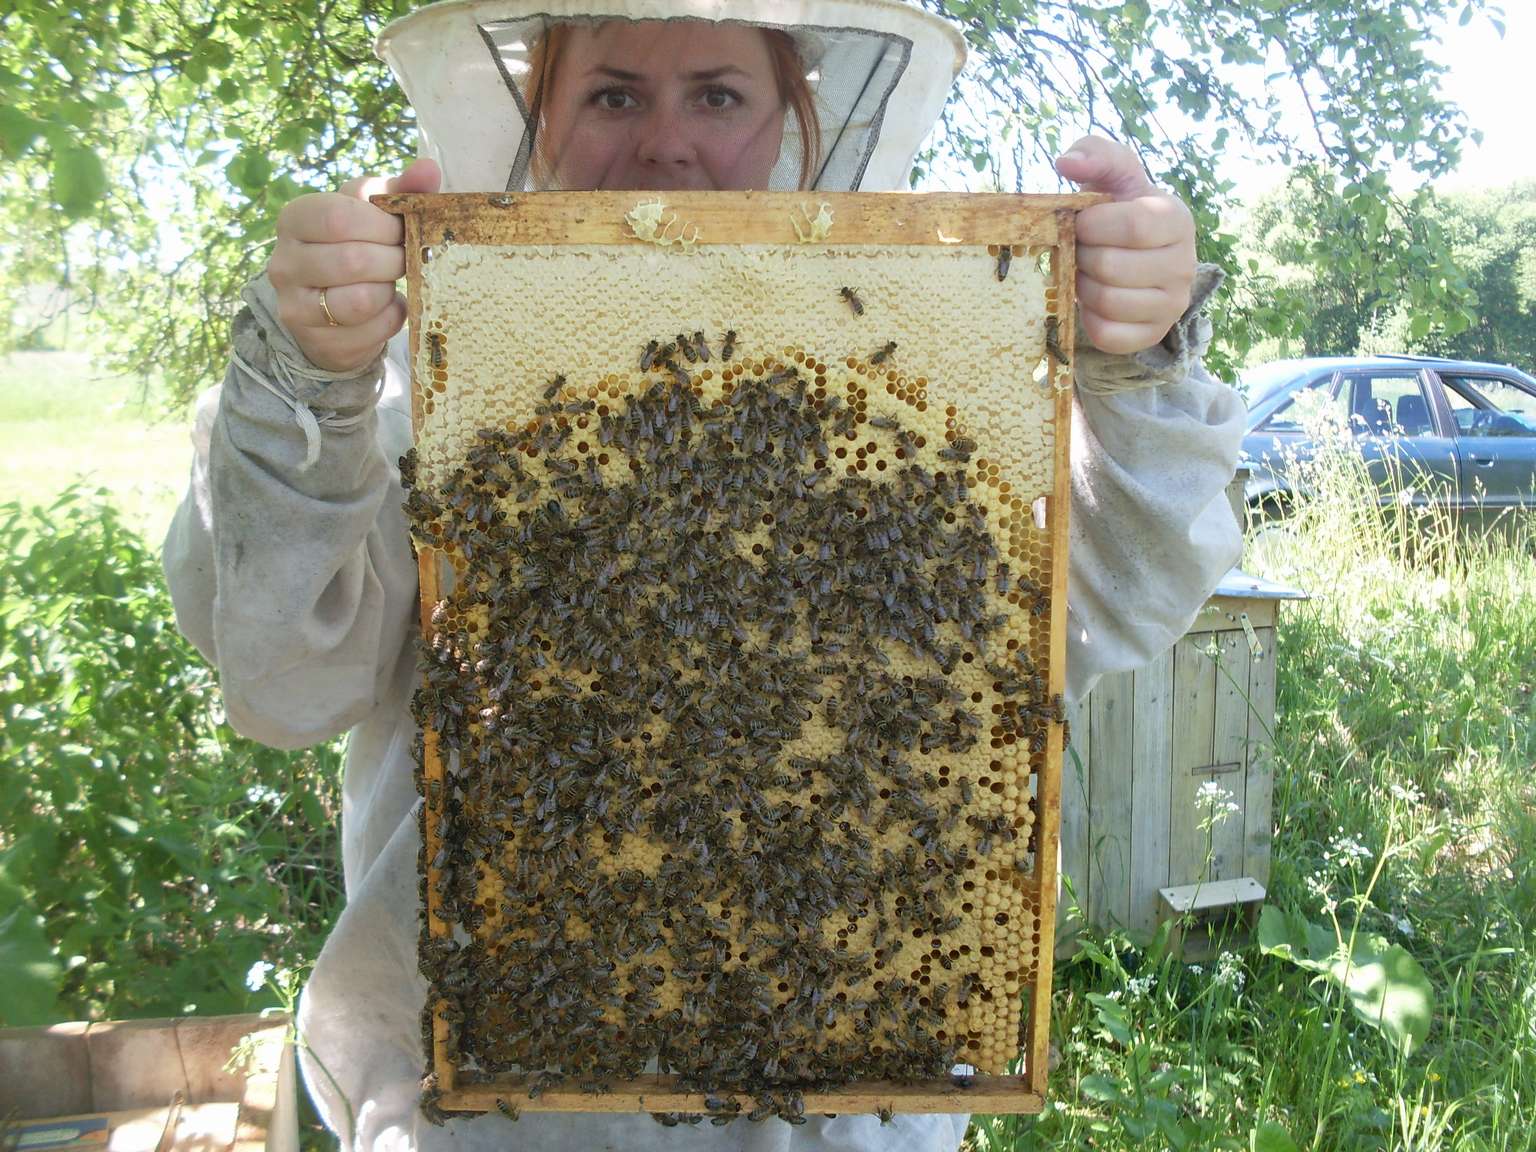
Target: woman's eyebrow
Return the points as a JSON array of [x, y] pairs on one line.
[[695, 77]]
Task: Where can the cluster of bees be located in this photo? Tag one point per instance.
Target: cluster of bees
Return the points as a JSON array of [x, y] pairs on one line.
[[698, 693]]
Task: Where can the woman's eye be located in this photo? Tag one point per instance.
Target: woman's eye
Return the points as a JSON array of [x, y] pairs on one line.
[[613, 99], [720, 98]]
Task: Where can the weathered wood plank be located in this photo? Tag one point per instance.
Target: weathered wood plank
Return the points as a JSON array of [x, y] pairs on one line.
[[1229, 743], [997, 1095], [1194, 711], [134, 1063], [1258, 813], [44, 1071], [740, 217], [1109, 800], [1075, 872], [1151, 788]]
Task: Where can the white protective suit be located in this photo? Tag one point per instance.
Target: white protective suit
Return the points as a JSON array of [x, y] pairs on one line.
[[297, 581]]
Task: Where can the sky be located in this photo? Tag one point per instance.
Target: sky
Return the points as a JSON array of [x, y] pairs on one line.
[[1485, 77], [1489, 79]]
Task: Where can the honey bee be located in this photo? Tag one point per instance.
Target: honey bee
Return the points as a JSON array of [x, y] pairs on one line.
[[728, 349], [510, 1111], [701, 346], [685, 345], [437, 351], [1004, 258], [1053, 340], [884, 354], [854, 302], [648, 357], [554, 386]]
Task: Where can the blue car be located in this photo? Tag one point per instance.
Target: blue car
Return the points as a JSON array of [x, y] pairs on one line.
[[1457, 432]]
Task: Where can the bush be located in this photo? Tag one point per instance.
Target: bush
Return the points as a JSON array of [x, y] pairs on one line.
[[148, 855]]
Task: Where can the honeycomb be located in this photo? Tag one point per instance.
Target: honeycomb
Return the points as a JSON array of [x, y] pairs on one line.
[[737, 629]]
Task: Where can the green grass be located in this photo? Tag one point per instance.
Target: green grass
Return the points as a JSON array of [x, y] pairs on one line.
[[1405, 807], [63, 419]]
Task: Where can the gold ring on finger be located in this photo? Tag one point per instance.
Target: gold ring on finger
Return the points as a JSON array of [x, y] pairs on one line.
[[326, 308]]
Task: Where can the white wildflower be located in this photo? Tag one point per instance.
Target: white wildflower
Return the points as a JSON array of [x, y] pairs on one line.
[[256, 978], [1403, 925], [1139, 986], [1346, 850], [1217, 804], [1229, 971]]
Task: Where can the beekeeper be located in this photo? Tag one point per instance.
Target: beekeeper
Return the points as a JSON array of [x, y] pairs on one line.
[[289, 561]]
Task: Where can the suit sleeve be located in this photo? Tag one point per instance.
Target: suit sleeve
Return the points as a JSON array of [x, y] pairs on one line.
[[1155, 441], [288, 560]]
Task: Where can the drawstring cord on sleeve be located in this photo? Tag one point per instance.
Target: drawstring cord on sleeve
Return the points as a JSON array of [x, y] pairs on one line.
[[289, 373]]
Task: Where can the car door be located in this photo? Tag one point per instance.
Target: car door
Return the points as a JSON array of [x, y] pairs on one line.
[[1399, 432], [1495, 417]]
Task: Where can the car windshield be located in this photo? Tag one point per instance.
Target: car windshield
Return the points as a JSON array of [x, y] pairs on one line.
[[1258, 382]]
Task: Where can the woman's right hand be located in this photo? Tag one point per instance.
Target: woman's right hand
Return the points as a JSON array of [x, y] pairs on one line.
[[339, 242]]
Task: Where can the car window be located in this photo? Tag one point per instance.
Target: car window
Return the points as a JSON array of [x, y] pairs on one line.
[[1490, 406], [1258, 382], [1387, 403], [1297, 411]]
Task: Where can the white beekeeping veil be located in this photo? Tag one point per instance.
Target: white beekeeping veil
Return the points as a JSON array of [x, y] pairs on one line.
[[880, 71]]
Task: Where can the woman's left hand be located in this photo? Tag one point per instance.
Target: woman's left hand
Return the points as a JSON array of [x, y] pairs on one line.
[[1135, 256]]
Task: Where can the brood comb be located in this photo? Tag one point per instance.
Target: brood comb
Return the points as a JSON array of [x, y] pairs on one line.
[[742, 536]]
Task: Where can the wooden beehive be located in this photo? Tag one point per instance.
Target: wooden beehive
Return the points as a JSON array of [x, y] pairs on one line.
[[1142, 745], [129, 1070], [616, 401]]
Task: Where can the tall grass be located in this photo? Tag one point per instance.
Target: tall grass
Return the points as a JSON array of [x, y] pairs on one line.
[[1405, 808]]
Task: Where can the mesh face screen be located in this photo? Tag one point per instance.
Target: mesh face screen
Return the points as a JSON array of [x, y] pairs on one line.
[[737, 675]]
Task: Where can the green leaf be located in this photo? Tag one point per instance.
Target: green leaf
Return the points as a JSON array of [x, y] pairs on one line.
[[1098, 1087], [29, 994], [1389, 991], [1270, 1137], [1293, 937], [1385, 985], [17, 131], [79, 180]]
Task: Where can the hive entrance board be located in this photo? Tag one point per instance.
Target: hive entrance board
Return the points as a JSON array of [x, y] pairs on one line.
[[743, 558]]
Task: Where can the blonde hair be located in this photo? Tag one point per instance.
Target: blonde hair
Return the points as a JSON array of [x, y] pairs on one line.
[[794, 89]]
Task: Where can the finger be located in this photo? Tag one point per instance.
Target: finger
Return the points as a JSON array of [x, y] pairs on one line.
[[1121, 338], [1100, 165], [338, 349], [1146, 222], [1139, 267], [422, 175], [330, 217], [1130, 305], [331, 265], [353, 306]]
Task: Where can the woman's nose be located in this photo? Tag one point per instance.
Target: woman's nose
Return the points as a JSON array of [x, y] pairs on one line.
[[663, 140]]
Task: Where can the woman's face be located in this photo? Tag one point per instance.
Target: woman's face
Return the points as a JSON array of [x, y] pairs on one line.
[[664, 105]]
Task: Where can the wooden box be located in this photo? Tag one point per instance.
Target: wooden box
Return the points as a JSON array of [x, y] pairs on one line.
[[919, 331], [127, 1067], [1143, 744]]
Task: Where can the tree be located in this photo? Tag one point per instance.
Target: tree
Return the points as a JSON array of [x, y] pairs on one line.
[[1330, 308], [148, 146], [1493, 237]]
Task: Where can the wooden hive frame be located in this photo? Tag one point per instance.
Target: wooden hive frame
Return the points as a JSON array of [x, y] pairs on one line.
[[1042, 227]]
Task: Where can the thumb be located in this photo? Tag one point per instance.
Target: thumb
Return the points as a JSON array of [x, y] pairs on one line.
[[1100, 165], [422, 175]]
